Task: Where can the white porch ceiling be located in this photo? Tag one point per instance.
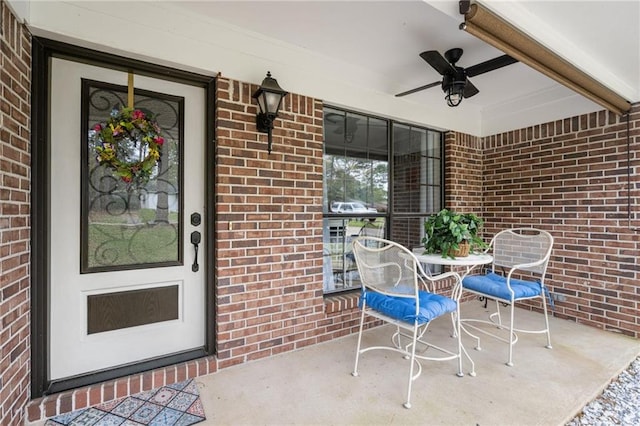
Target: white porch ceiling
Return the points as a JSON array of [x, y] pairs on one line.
[[359, 54], [385, 38]]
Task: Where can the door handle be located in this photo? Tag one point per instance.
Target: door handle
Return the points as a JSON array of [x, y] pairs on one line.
[[195, 240]]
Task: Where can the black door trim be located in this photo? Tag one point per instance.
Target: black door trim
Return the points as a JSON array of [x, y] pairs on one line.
[[125, 370], [42, 51]]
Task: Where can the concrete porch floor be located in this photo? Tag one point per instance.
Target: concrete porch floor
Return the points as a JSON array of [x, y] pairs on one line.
[[314, 385]]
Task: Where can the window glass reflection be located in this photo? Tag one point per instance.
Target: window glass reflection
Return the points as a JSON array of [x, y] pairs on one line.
[[417, 170], [355, 163], [365, 160], [340, 271]]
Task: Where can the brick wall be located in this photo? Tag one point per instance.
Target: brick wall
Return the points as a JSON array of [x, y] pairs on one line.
[[568, 177], [463, 182], [15, 89], [268, 228], [463, 172]]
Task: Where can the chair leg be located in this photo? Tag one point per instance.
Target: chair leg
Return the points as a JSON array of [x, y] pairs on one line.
[[456, 330], [355, 367], [546, 320], [498, 313], [412, 360], [511, 342], [456, 327]]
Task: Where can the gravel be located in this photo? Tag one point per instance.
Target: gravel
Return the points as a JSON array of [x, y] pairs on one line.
[[619, 403]]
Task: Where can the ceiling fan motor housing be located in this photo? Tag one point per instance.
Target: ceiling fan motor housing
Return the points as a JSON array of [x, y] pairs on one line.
[[453, 55], [458, 78]]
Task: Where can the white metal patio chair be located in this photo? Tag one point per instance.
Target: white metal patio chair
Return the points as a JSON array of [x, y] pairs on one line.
[[519, 252], [347, 262], [397, 291]]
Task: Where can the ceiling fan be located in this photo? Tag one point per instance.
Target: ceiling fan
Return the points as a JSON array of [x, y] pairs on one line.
[[455, 80]]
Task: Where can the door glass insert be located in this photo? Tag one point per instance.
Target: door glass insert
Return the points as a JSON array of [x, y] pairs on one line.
[[129, 225]]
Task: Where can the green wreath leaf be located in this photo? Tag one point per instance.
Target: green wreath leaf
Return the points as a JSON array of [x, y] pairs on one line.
[[128, 132]]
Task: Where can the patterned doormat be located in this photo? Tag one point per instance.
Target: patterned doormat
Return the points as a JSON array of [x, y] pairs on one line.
[[172, 405]]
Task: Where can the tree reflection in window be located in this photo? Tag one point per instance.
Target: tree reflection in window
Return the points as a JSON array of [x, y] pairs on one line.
[[369, 161]]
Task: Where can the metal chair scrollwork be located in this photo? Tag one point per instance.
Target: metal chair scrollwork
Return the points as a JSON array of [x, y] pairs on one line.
[[396, 290], [520, 258]]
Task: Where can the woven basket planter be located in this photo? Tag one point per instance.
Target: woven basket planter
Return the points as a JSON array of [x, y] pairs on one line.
[[462, 251]]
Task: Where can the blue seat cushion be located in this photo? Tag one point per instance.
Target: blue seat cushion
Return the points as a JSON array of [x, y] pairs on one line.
[[404, 308], [495, 285]]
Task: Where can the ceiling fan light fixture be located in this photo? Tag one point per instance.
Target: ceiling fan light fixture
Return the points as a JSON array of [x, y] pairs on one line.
[[454, 94], [454, 90], [453, 99]]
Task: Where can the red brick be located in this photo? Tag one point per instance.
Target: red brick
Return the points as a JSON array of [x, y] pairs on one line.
[[14, 199], [95, 395], [81, 399]]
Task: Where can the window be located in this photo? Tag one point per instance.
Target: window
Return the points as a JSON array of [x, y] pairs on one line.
[[380, 179], [417, 181]]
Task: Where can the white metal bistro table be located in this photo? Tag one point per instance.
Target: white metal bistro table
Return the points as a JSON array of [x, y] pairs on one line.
[[470, 261]]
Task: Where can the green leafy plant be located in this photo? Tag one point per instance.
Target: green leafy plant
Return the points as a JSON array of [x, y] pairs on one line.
[[447, 230]]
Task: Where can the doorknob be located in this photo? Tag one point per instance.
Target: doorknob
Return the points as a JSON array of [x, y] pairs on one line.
[[195, 240]]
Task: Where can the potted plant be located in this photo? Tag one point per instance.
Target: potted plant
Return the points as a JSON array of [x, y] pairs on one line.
[[452, 234]]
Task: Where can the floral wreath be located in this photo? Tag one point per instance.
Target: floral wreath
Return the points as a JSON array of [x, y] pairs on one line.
[[129, 143]]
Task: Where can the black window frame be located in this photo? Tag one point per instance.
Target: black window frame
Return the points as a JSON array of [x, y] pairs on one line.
[[391, 217]]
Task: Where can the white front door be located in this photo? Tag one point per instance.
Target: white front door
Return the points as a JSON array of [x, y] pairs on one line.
[[124, 287]]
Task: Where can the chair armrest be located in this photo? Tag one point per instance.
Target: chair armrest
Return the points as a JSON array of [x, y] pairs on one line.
[[526, 266], [421, 271], [523, 267], [456, 291]]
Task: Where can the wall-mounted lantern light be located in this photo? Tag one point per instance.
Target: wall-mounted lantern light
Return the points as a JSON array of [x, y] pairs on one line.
[[269, 97]]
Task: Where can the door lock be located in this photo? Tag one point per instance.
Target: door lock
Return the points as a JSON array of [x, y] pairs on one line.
[[195, 240], [195, 219]]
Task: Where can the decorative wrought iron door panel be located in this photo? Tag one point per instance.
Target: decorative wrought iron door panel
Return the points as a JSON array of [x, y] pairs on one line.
[[131, 225]]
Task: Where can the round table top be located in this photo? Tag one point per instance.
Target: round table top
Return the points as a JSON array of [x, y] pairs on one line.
[[470, 260]]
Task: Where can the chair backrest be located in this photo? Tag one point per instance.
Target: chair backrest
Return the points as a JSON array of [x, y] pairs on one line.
[[386, 267], [527, 248]]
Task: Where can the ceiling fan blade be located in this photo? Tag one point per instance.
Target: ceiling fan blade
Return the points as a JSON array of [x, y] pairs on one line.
[[438, 62], [469, 89], [417, 89], [490, 65]]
